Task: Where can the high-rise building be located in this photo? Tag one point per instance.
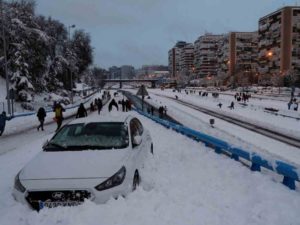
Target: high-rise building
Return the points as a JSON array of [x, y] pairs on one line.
[[206, 49], [174, 58], [279, 42], [238, 54], [186, 60]]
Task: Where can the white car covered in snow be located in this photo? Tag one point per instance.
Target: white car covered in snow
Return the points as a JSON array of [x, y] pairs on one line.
[[87, 159]]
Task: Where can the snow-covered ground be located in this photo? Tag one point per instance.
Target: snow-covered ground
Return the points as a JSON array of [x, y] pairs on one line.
[[184, 183], [223, 130], [254, 110]]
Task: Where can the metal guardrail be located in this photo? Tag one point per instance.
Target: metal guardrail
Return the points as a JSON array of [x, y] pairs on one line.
[[290, 173]]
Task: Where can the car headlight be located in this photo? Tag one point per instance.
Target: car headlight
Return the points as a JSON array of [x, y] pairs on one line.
[[113, 181], [18, 184]]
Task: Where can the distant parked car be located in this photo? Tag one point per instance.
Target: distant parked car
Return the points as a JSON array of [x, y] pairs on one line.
[[86, 159]]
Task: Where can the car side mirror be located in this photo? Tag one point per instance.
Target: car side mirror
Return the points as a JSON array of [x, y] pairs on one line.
[[137, 140]]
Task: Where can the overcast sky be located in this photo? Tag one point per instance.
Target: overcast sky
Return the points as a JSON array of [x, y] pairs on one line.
[[138, 32]]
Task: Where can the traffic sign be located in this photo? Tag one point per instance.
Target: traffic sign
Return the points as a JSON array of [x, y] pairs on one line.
[[142, 91]]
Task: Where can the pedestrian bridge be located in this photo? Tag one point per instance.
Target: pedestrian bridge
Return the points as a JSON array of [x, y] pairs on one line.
[[121, 81]]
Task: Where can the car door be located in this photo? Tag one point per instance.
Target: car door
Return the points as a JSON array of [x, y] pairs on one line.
[[137, 150]]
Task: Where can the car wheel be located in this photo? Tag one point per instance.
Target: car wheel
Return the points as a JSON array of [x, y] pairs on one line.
[[151, 150], [136, 180]]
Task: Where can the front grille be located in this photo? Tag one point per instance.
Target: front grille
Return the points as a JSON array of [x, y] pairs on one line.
[[35, 198]]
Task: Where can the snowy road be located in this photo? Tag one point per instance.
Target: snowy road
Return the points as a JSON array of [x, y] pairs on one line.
[[233, 134], [184, 183]]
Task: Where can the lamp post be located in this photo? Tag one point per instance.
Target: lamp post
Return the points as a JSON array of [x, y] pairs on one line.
[[71, 76], [5, 60]]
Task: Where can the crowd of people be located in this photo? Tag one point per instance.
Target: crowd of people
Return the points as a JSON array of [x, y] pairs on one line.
[[162, 111], [242, 96]]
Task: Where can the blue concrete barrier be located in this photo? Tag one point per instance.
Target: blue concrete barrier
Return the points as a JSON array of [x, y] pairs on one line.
[[289, 172]]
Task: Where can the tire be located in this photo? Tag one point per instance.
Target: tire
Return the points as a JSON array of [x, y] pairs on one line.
[[151, 149], [136, 180]]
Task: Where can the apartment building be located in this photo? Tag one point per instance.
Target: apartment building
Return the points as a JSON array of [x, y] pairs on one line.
[[206, 49], [186, 60], [181, 58], [238, 53], [279, 42]]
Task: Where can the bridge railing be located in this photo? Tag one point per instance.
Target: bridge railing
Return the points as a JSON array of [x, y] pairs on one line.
[[289, 172]]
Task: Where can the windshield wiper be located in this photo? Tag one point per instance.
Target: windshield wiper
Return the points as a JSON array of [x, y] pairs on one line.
[[56, 145]]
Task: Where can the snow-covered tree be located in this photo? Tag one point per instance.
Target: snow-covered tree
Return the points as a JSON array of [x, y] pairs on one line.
[[81, 46], [40, 56]]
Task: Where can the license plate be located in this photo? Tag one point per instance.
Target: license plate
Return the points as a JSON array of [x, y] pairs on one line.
[[56, 204]]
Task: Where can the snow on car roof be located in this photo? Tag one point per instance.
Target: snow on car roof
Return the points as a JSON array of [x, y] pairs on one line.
[[113, 117]]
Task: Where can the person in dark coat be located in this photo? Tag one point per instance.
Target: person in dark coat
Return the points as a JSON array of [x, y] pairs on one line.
[[123, 105], [127, 105], [81, 112], [99, 105], [3, 119], [111, 104], [161, 111], [152, 110], [58, 115], [92, 107], [231, 105], [41, 114]]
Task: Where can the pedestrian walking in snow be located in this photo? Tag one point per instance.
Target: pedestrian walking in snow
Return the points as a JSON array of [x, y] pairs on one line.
[[123, 102], [113, 103], [128, 105], [58, 115], [41, 114], [165, 110], [92, 107], [3, 119], [289, 104], [99, 105], [231, 105], [161, 111], [81, 112], [220, 105], [295, 105]]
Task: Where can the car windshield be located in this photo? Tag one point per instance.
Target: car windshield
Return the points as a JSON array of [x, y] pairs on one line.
[[91, 136]]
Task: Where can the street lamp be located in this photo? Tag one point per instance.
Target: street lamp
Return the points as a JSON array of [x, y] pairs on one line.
[[269, 54], [5, 60], [71, 76]]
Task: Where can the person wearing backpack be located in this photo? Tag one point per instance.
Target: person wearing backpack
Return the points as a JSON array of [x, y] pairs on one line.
[[41, 114], [58, 110]]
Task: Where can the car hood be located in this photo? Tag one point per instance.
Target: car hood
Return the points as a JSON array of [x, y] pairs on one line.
[[76, 164]]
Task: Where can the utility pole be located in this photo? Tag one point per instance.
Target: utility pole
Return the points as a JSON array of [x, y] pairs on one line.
[[5, 60], [71, 76]]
